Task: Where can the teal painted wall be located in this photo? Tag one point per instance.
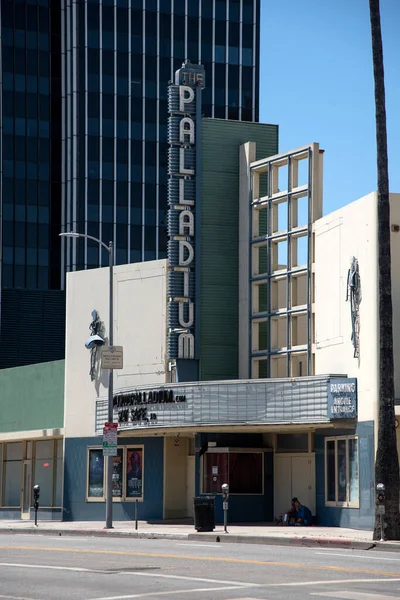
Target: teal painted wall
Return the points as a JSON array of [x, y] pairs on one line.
[[220, 239], [32, 397]]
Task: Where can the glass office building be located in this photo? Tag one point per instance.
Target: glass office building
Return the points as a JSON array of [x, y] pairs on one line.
[[30, 121], [84, 121]]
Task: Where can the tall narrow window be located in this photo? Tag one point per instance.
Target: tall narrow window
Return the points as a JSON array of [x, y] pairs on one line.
[[13, 474], [342, 486], [96, 473]]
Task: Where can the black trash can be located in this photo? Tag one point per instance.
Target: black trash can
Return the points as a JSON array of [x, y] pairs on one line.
[[204, 517]]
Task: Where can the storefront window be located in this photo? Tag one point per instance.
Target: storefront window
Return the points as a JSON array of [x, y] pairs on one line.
[[354, 491], [134, 473], [96, 473], [1, 471], [342, 471], [13, 474], [330, 472], [242, 471], [127, 474], [43, 471], [58, 477]]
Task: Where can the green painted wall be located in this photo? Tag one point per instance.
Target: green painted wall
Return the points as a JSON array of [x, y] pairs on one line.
[[220, 239], [32, 397]]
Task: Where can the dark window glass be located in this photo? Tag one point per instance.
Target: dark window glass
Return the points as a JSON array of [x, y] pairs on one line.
[[93, 82], [93, 40], [108, 18], [247, 57], [234, 12], [108, 40], [32, 83], [8, 81], [136, 22], [93, 60], [93, 16], [247, 38], [108, 62], [220, 54], [248, 13], [122, 42]]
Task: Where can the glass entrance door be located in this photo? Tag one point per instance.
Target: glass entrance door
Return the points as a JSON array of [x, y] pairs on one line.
[[26, 489]]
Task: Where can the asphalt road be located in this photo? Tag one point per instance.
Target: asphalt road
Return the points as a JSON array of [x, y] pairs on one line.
[[77, 568]]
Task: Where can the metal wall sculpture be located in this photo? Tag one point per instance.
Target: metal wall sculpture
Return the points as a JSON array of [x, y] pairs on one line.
[[96, 328], [353, 295]]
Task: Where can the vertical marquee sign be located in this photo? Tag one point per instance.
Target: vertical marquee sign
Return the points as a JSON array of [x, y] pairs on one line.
[[184, 107]]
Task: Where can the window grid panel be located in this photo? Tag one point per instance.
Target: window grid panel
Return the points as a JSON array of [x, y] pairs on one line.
[[130, 83], [100, 225], [115, 241], [144, 133]]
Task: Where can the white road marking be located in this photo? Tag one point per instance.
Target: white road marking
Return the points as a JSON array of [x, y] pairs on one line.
[[65, 538], [202, 545], [24, 566], [236, 584], [332, 582], [184, 578], [353, 595], [16, 597], [358, 556], [171, 592]]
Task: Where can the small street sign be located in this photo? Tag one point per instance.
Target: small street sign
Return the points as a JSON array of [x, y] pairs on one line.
[[224, 506], [112, 357], [110, 433], [381, 509]]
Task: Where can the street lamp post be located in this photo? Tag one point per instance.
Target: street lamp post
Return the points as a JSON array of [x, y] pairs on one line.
[[110, 250]]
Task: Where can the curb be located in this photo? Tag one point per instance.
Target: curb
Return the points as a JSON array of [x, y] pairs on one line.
[[212, 537], [279, 541], [94, 533]]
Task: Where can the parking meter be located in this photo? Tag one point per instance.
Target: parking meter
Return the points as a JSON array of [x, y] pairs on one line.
[[225, 496], [36, 494], [380, 503], [380, 488]]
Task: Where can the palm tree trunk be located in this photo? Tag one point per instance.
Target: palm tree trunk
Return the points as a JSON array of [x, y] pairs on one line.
[[387, 461]]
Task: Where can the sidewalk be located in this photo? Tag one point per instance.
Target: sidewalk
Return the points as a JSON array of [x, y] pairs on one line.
[[327, 537]]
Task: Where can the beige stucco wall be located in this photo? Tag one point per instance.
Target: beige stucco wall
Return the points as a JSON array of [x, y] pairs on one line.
[[350, 231], [140, 326]]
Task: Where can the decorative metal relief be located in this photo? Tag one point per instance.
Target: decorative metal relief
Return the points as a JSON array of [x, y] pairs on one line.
[[353, 295], [96, 328]]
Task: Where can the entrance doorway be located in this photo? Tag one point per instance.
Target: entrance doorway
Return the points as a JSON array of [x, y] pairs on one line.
[[26, 489], [294, 476]]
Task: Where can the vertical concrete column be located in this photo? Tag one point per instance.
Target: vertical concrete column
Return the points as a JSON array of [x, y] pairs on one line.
[[247, 155]]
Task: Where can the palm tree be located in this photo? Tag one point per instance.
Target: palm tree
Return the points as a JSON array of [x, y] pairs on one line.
[[387, 461]]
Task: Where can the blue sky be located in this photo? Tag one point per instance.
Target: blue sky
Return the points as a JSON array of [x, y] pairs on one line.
[[316, 82]]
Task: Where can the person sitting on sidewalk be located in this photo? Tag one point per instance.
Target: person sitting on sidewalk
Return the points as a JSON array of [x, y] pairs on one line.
[[290, 514], [303, 515]]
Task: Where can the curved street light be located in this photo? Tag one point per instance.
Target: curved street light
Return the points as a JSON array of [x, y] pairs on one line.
[[110, 250]]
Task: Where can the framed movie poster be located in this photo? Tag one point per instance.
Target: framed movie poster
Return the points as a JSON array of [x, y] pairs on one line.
[[134, 473], [117, 462]]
